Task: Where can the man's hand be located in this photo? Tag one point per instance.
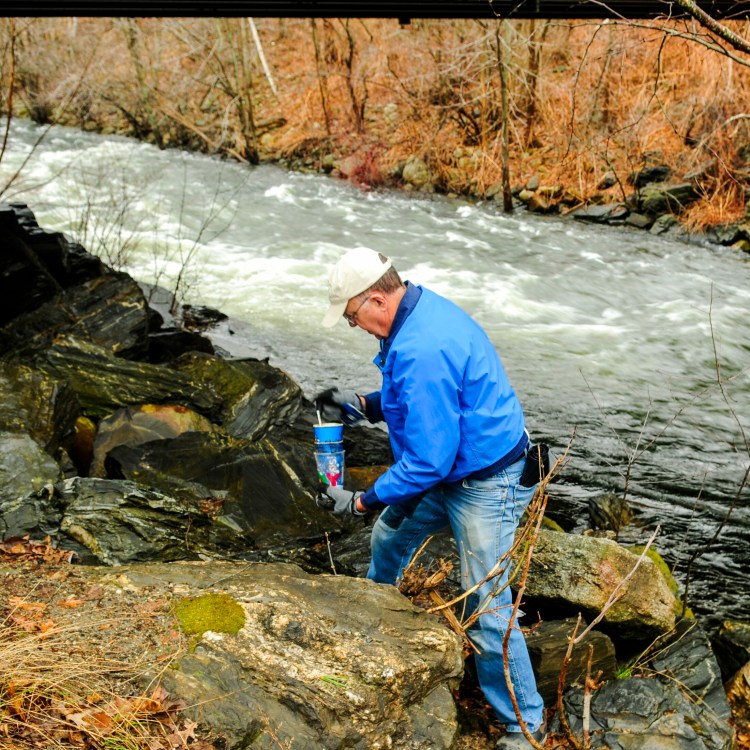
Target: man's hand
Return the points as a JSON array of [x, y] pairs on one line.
[[339, 501], [340, 406]]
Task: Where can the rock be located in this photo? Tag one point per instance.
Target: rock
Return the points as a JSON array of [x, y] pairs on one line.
[[602, 214], [266, 489], [116, 522], [416, 173], [609, 512], [321, 661], [607, 181], [663, 224], [731, 644], [532, 183], [738, 694], [105, 383], [639, 221], [646, 713], [134, 425], [37, 264], [25, 469], [689, 660], [108, 311], [657, 198], [548, 645], [647, 175], [584, 571], [253, 395], [168, 344], [35, 404]]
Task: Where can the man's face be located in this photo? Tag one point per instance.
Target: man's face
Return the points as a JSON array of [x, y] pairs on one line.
[[370, 314]]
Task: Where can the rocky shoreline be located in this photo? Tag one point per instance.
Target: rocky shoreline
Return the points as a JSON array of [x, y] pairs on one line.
[[165, 466], [651, 200]]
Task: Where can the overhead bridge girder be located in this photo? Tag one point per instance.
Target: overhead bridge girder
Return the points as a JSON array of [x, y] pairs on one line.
[[403, 11]]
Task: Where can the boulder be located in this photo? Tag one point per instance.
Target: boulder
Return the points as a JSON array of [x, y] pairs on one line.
[[649, 174], [609, 512], [116, 522], [253, 394], [264, 488], [37, 264], [35, 404], [108, 311], [105, 383], [416, 173], [657, 198], [548, 645], [646, 713], [320, 662], [584, 571], [602, 213], [134, 425]]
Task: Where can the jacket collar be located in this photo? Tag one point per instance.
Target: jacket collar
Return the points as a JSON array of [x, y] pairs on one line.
[[405, 308]]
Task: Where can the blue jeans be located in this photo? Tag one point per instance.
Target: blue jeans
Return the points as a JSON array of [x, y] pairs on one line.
[[483, 516]]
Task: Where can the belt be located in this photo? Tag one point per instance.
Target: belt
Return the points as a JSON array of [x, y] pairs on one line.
[[513, 455]]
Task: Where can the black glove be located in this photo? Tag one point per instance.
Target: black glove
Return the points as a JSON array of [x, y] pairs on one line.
[[339, 406], [339, 501]]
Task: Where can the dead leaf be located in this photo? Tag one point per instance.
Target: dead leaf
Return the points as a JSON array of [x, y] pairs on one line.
[[72, 601]]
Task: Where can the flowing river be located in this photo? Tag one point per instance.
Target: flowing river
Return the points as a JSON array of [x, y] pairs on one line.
[[631, 349]]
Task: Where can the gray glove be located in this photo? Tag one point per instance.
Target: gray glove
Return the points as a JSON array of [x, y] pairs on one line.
[[339, 501], [339, 406]]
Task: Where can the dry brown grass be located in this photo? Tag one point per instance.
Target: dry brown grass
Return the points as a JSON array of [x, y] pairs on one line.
[[608, 97]]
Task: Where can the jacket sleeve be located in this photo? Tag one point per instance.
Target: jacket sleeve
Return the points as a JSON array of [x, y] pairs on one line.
[[427, 385]]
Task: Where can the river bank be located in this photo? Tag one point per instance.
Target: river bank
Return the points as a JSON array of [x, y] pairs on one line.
[[586, 112]]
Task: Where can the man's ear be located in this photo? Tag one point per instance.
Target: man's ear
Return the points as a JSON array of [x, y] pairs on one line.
[[379, 299]]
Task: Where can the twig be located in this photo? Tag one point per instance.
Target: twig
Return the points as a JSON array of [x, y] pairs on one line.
[[330, 555]]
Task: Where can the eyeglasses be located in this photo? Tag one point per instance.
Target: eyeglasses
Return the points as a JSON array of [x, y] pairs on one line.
[[351, 318]]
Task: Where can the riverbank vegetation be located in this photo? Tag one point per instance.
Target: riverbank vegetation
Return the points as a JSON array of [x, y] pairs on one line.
[[579, 108]]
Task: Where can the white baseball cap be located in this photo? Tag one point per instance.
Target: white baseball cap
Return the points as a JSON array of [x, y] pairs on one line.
[[358, 269]]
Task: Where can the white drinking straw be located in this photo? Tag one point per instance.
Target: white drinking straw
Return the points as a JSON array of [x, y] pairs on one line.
[[320, 421]]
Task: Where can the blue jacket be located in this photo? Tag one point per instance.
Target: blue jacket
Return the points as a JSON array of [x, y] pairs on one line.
[[445, 397]]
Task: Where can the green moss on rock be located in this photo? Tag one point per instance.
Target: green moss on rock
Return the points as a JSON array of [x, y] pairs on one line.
[[661, 564], [216, 612]]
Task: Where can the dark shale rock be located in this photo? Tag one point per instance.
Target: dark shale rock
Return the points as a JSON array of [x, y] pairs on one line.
[[35, 404], [322, 661], [37, 264], [254, 395], [648, 713], [116, 522], [24, 469], [731, 644], [689, 660], [262, 487], [105, 383], [168, 344], [108, 311], [548, 645]]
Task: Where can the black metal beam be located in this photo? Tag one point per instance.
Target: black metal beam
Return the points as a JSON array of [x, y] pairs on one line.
[[413, 9]]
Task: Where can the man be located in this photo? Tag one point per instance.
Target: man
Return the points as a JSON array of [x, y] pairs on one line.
[[459, 442]]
